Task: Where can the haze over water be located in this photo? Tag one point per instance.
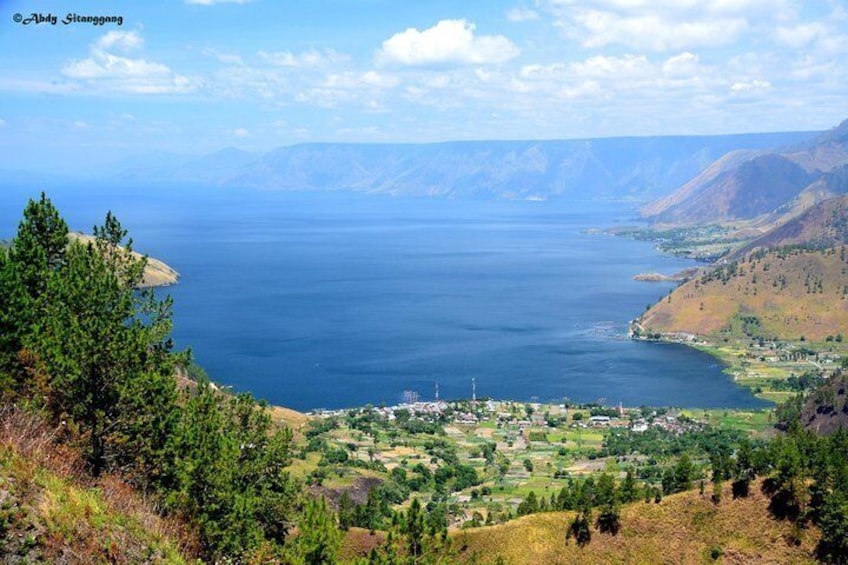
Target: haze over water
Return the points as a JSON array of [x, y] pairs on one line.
[[337, 300]]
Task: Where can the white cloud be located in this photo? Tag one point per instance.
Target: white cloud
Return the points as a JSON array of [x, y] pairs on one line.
[[381, 80], [106, 70], [124, 41], [642, 80], [2, 123], [626, 67], [683, 8], [681, 65], [361, 89], [810, 68], [224, 58], [584, 89], [668, 25], [522, 15], [241, 132], [800, 35], [307, 59], [651, 31], [750, 86], [79, 124], [447, 42]]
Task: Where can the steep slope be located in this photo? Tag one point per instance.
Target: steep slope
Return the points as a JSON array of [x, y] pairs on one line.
[[637, 168], [745, 186], [825, 410], [822, 225], [683, 528], [783, 294], [50, 512], [700, 183]]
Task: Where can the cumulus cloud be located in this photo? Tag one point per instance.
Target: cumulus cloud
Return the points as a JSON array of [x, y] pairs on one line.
[[241, 132], [448, 42], [104, 68]]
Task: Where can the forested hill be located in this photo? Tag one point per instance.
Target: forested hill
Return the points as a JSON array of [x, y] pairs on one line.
[[637, 167]]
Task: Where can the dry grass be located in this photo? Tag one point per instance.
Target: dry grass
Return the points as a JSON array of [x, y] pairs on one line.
[[71, 517], [359, 543], [683, 528], [292, 419], [783, 292]]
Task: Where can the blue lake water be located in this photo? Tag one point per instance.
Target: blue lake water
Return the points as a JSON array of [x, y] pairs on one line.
[[338, 300]]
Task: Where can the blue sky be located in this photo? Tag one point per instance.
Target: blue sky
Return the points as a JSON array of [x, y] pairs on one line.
[[197, 76]]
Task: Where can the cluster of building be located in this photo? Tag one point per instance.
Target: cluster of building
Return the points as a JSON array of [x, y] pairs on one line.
[[471, 414]]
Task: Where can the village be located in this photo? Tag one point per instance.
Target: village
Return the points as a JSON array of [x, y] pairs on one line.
[[508, 448]]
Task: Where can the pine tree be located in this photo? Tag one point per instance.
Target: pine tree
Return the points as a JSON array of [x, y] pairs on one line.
[[629, 492], [39, 246], [580, 528], [36, 253], [108, 353], [413, 529], [319, 537], [609, 517], [346, 511]]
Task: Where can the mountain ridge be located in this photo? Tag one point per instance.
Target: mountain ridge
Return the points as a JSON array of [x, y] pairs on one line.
[[622, 168], [755, 186]]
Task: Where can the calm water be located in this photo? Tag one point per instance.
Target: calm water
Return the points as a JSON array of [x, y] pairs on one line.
[[338, 300]]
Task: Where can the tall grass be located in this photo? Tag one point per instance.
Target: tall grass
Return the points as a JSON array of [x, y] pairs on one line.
[[76, 508]]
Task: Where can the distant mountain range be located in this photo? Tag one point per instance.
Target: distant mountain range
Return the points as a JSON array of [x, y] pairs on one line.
[[617, 168], [760, 187]]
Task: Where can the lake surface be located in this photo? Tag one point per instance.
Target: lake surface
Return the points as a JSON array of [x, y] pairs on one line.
[[338, 300]]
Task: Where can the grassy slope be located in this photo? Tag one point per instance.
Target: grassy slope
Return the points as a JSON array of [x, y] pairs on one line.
[[683, 528], [782, 289], [49, 512]]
